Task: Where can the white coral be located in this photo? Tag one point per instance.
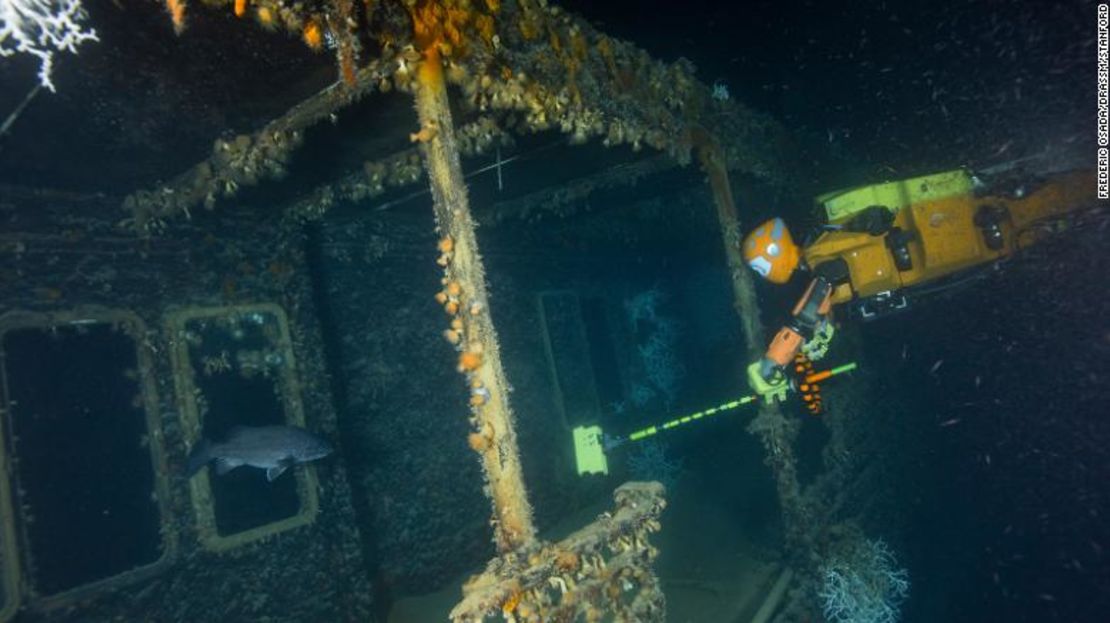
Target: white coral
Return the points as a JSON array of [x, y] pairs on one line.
[[864, 585], [41, 28], [720, 91], [661, 369], [644, 306]]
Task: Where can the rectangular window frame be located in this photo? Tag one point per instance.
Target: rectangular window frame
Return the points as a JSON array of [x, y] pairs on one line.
[[200, 487], [13, 537]]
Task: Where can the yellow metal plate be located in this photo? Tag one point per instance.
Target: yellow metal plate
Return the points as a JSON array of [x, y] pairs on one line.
[[589, 453], [841, 205]]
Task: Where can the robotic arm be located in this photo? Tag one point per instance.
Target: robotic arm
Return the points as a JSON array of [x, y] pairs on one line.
[[810, 330]]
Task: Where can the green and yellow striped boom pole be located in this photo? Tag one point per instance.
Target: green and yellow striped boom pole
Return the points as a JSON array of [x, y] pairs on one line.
[[590, 443]]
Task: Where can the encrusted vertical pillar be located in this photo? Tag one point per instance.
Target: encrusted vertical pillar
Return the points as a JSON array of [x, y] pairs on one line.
[[777, 432], [465, 300]]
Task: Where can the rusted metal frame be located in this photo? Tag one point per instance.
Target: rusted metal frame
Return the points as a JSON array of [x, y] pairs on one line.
[[564, 75], [553, 198], [466, 301], [398, 170], [592, 570], [246, 159], [777, 432]]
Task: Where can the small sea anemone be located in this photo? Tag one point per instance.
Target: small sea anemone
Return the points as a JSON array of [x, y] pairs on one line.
[[479, 395], [566, 561], [313, 36], [478, 442], [176, 9], [469, 361], [265, 17]]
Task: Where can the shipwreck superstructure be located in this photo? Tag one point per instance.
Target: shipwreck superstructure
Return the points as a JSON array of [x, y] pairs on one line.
[[222, 280]]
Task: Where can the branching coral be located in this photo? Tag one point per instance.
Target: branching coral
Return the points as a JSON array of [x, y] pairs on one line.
[[644, 306], [41, 28], [649, 461], [660, 361], [660, 367], [863, 583]]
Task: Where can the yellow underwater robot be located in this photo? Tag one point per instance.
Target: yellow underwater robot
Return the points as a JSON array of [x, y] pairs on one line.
[[886, 244], [881, 246]]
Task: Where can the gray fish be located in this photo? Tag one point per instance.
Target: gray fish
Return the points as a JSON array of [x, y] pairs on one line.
[[272, 448]]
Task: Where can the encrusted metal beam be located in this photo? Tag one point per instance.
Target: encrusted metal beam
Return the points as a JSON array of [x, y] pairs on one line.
[[398, 170], [602, 570], [543, 67], [465, 299], [246, 159], [555, 199]]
